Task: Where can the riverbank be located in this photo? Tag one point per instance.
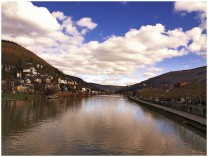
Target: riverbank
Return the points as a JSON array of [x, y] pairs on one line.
[[20, 96], [27, 96], [188, 119], [74, 94]]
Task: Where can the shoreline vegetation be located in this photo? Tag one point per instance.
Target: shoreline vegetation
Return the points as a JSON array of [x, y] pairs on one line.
[[20, 96], [28, 96]]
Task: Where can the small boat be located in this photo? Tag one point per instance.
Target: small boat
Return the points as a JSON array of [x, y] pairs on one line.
[[54, 96]]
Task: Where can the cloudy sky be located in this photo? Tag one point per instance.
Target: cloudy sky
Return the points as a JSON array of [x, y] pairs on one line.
[[117, 43]]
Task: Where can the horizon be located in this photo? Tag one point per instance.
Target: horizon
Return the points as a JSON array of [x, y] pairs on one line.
[[115, 51]]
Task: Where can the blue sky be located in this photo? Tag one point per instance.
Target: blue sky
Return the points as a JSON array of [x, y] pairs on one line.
[[118, 17], [96, 40]]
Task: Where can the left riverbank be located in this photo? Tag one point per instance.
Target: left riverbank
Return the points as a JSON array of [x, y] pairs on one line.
[[20, 96], [27, 96]]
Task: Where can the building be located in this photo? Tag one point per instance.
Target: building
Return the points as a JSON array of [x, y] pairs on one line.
[[48, 80], [26, 70], [38, 80], [20, 88], [19, 75]]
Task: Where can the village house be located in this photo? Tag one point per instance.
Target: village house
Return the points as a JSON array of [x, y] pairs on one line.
[[179, 84], [72, 82], [48, 80], [26, 70], [184, 83], [38, 80], [20, 88], [31, 70], [183, 100], [59, 80], [19, 74], [83, 90], [94, 92], [64, 81], [38, 65], [27, 81]]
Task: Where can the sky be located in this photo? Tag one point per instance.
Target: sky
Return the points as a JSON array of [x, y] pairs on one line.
[[111, 43]]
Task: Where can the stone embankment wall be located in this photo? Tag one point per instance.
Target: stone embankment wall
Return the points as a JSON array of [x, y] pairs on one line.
[[196, 121]]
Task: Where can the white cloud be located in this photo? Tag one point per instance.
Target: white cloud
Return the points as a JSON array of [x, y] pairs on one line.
[[191, 6], [86, 22], [194, 6], [122, 55], [22, 13], [45, 31], [199, 40], [59, 15], [69, 27], [152, 71]]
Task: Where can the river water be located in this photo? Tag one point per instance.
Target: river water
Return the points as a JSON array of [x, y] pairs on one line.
[[98, 125]]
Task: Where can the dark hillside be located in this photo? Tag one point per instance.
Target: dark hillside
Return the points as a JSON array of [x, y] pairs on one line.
[[14, 54], [170, 79], [109, 88]]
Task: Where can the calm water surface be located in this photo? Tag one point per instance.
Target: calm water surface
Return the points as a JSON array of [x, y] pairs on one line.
[[100, 125]]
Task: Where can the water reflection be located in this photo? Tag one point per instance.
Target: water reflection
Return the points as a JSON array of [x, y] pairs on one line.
[[20, 115], [102, 125]]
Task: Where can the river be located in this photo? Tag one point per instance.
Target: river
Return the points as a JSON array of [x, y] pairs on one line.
[[98, 125]]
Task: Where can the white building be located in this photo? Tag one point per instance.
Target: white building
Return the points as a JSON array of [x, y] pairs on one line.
[[83, 90], [59, 80], [19, 75], [64, 81], [38, 80], [33, 71], [26, 70], [30, 70], [94, 92]]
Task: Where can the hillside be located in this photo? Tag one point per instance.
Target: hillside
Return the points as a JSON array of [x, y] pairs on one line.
[[169, 79], [19, 57], [109, 88]]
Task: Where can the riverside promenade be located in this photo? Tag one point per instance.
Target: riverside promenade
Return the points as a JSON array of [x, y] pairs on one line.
[[195, 118]]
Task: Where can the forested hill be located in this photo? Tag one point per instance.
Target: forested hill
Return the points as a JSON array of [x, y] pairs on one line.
[[170, 78], [110, 88]]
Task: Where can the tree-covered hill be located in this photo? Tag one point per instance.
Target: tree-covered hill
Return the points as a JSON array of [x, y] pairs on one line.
[[169, 79]]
